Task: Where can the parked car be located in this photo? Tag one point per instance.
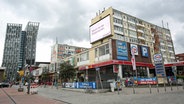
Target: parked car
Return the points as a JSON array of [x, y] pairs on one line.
[[4, 84]]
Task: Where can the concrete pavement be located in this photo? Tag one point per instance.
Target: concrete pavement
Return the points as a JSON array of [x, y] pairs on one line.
[[126, 96], [51, 95]]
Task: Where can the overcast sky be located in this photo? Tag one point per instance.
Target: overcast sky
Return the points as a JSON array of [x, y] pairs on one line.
[[69, 20]]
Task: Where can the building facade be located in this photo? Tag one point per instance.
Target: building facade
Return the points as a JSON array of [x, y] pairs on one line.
[[61, 51], [114, 35], [19, 47], [134, 30], [180, 57]]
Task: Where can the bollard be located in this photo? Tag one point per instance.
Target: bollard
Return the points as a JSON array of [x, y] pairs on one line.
[[157, 88], [150, 88], [171, 86], [133, 89]]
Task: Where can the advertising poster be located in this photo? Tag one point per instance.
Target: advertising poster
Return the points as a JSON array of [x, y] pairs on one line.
[[134, 49], [122, 53], [146, 80]]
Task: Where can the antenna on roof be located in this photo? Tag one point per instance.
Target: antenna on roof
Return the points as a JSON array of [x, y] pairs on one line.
[[103, 10], [167, 25], [162, 23], [56, 40]]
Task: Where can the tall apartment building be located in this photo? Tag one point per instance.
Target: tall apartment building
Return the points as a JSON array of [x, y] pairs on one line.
[[61, 51], [113, 35], [131, 29], [19, 47]]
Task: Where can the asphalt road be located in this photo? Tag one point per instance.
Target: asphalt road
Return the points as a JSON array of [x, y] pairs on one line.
[[142, 96]]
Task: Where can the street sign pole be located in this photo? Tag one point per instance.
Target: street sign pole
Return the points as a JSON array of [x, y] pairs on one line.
[[134, 67]]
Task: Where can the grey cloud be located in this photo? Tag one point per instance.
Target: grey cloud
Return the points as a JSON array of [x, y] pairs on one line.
[[178, 42], [160, 8], [70, 19]]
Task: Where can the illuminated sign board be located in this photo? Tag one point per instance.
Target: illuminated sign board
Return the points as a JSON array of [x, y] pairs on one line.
[[100, 29], [157, 57], [144, 51], [159, 66]]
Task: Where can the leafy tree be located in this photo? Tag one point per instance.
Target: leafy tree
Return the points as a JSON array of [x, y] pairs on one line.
[[44, 76], [67, 71]]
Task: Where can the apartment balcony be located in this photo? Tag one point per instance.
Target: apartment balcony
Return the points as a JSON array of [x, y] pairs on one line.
[[163, 50], [118, 17], [139, 30], [102, 58], [138, 24], [171, 51], [169, 45], [131, 22], [140, 37], [132, 29], [82, 63], [117, 24], [161, 43], [118, 32], [168, 35]]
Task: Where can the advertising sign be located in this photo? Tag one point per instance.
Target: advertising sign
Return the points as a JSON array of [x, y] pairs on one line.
[[115, 68], [157, 57], [122, 53], [144, 51], [146, 80], [80, 85], [134, 49], [133, 62], [159, 67], [83, 85], [100, 29]]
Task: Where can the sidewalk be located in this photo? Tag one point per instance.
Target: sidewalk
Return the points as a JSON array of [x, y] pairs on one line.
[[23, 98]]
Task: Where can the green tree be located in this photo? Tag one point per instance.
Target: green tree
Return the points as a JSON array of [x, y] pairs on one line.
[[67, 71], [44, 76]]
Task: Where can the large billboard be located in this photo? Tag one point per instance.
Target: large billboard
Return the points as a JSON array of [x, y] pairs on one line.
[[100, 29]]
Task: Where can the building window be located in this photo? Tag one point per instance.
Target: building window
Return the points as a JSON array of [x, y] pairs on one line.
[[132, 33], [116, 13], [118, 21], [84, 56], [118, 28], [132, 26], [102, 50]]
